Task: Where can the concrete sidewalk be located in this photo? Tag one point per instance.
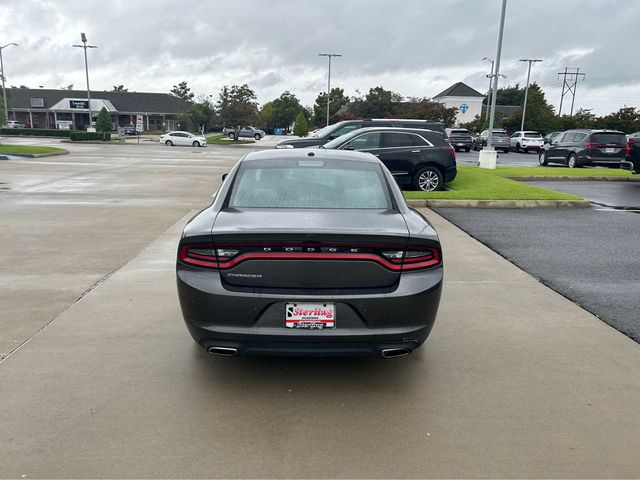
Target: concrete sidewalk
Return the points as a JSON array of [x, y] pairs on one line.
[[515, 381]]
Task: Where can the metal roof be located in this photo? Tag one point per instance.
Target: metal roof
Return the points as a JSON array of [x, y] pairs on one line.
[[459, 90]]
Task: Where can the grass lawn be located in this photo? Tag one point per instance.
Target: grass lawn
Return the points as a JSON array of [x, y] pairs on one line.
[[27, 149], [473, 183], [219, 140]]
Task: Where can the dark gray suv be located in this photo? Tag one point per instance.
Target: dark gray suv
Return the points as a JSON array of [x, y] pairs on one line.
[[330, 132], [579, 148]]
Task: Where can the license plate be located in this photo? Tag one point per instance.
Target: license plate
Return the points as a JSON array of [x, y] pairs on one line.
[[311, 316], [461, 145], [609, 150]]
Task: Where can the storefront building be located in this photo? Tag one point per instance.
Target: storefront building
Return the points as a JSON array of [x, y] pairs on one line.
[[43, 108]]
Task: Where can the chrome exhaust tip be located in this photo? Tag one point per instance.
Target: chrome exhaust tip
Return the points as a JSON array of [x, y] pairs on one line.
[[223, 351], [395, 352]]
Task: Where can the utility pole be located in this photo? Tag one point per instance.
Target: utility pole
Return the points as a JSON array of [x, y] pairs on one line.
[[4, 90], [569, 86], [330, 56], [495, 76], [84, 46], [490, 76], [526, 90]]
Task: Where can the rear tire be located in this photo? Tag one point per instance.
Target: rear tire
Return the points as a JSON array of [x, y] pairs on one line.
[[506, 150], [231, 135], [468, 149], [572, 161], [517, 148], [196, 143], [169, 143], [428, 179], [542, 159], [257, 136]]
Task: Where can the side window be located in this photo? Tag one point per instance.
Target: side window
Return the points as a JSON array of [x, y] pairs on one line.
[[418, 141], [558, 138], [395, 140], [368, 141], [579, 137], [515, 135], [345, 129]]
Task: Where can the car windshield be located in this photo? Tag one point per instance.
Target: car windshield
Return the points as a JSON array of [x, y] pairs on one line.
[[609, 138], [336, 142], [532, 134], [323, 132], [310, 184], [500, 134], [454, 132]]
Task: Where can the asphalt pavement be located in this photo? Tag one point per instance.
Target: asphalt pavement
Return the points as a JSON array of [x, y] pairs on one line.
[[625, 195], [591, 256]]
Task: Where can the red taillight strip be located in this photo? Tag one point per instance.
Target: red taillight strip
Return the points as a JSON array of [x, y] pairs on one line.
[[414, 263]]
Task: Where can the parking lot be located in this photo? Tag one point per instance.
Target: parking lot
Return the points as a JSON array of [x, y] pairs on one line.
[[101, 379]]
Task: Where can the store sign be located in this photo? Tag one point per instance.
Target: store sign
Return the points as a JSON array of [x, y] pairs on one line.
[[139, 126], [79, 104]]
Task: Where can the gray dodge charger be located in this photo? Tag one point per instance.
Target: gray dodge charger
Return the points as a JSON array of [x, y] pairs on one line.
[[309, 252]]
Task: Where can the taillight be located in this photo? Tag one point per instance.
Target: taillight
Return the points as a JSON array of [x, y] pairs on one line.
[[451, 151], [629, 144], [396, 259]]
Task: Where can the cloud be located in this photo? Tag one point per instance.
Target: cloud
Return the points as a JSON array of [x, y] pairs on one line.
[[415, 47]]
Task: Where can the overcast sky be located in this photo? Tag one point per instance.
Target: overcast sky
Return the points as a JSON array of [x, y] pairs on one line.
[[415, 47]]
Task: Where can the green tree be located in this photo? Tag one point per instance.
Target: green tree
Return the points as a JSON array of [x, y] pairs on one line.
[[103, 122], [425, 109], [237, 106], [338, 101], [119, 88], [202, 114], [540, 117], [380, 103], [265, 116], [301, 128], [285, 109], [183, 91], [627, 120]]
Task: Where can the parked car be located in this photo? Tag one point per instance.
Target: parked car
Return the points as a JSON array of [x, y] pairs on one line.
[[460, 139], [14, 124], [500, 140], [632, 157], [330, 132], [309, 252], [417, 159], [183, 138], [523, 141], [579, 148], [247, 132], [548, 138]]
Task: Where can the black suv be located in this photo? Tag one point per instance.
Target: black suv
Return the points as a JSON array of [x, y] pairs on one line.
[[579, 148], [633, 153], [460, 139], [418, 159], [330, 132]]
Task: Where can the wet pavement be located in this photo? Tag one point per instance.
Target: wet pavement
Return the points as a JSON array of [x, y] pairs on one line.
[[604, 193]]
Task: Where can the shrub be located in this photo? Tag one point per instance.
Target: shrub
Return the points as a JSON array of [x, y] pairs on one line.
[[89, 136], [103, 122], [301, 128], [38, 132]]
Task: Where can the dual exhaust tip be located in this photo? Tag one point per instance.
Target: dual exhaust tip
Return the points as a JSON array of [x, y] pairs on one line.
[[232, 352]]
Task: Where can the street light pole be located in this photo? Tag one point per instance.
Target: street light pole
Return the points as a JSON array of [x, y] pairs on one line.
[[526, 90], [84, 46], [495, 76], [4, 90], [486, 115], [329, 55]]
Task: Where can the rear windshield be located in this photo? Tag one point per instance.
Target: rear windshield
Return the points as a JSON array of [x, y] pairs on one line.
[[500, 134], [459, 132], [310, 184], [532, 134], [615, 138]]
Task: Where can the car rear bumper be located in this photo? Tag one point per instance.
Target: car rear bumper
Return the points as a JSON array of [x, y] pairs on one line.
[[252, 323], [603, 161]]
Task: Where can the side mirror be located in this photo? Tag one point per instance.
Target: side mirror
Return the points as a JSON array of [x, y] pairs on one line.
[[224, 176], [349, 147]]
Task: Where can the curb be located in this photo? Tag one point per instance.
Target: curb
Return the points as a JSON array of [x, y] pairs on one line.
[[33, 155], [576, 178], [500, 203]]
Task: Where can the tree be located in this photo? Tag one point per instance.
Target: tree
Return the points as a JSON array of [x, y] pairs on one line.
[[237, 105], [265, 116], [183, 91], [119, 88], [68, 87], [627, 120], [425, 109], [338, 101], [380, 103], [540, 116], [202, 113], [103, 122], [301, 128], [285, 109]]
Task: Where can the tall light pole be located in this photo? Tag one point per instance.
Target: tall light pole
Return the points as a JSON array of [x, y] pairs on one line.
[[526, 90], [4, 90], [84, 46], [488, 156], [330, 56], [486, 115]]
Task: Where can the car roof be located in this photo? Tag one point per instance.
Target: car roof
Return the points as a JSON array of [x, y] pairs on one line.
[[308, 153], [394, 129], [589, 130], [417, 120]]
